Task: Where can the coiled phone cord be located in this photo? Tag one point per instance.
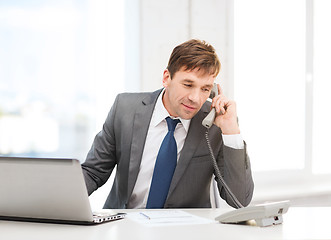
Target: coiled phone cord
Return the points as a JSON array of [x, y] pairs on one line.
[[218, 175]]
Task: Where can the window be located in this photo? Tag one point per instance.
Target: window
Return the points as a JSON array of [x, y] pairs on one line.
[[269, 81], [281, 83], [61, 65], [321, 87]]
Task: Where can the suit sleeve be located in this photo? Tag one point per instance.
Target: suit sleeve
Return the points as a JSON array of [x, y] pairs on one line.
[[236, 171], [101, 159]]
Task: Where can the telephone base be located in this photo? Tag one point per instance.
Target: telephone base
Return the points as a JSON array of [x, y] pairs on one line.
[[264, 222], [264, 214]]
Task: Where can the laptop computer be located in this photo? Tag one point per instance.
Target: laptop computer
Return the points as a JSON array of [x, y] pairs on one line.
[[46, 190]]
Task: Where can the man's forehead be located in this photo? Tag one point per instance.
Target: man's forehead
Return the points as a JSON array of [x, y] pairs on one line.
[[198, 71]]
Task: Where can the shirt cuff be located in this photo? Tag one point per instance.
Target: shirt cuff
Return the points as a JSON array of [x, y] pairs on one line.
[[234, 141]]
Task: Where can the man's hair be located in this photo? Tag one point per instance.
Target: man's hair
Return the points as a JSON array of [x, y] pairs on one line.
[[194, 54]]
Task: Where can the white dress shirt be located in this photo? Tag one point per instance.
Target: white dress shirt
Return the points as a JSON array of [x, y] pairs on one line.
[[157, 130]]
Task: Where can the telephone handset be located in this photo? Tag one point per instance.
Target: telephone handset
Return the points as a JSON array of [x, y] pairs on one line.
[[209, 119]]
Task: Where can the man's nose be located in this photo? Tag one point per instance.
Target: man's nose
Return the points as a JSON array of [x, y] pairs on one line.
[[194, 95]]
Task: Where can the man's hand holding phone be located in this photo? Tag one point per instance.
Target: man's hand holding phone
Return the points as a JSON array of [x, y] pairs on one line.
[[226, 113]]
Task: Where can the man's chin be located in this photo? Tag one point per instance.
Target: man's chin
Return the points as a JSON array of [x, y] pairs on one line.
[[187, 115]]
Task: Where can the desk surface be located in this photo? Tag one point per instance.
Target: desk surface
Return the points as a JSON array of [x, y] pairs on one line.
[[299, 223]]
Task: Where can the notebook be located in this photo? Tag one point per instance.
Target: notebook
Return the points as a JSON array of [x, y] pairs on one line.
[[46, 190]]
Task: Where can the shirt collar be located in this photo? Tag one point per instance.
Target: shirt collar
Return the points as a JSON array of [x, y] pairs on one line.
[[160, 113]]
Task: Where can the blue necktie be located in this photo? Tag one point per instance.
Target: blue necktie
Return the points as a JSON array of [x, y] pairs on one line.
[[164, 168]]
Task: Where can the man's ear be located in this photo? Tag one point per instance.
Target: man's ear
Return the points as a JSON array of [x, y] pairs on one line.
[[166, 78]]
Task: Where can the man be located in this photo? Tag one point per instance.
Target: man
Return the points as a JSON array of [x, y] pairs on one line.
[[138, 124]]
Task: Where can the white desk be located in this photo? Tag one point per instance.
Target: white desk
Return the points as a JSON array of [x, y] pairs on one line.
[[299, 223]]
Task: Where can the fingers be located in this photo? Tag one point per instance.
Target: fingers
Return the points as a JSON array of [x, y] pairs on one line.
[[220, 101], [220, 90], [226, 118], [221, 104]]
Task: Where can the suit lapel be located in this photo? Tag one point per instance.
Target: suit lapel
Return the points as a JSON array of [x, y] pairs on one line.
[[193, 138], [141, 123]]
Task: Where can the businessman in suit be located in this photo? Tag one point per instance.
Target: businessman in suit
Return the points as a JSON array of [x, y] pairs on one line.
[[138, 123]]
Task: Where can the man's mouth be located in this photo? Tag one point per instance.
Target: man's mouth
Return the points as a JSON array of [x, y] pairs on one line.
[[191, 108]]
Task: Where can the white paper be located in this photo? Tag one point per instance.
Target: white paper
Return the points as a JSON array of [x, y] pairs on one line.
[[167, 217]]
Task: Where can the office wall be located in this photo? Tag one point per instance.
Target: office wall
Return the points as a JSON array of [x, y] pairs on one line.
[[165, 24]]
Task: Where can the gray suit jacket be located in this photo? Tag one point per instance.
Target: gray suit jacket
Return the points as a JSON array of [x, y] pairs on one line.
[[121, 143]]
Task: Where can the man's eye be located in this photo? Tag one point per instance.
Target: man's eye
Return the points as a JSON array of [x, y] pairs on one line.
[[187, 85]]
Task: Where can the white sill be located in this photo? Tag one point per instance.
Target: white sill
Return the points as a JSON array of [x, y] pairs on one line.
[[290, 185]]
